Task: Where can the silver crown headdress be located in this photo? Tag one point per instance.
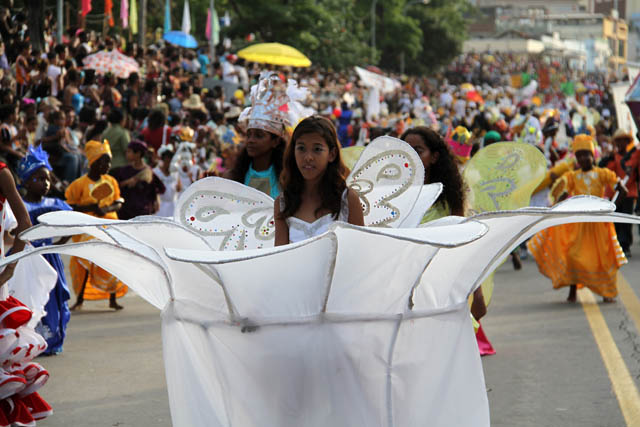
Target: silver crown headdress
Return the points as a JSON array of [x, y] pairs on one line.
[[275, 108]]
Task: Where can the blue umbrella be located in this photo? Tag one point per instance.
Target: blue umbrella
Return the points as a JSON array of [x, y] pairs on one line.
[[180, 39]]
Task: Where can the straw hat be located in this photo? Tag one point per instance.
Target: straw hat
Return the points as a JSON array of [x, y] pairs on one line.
[[194, 103]]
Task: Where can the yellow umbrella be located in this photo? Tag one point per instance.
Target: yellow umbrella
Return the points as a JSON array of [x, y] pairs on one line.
[[274, 53]]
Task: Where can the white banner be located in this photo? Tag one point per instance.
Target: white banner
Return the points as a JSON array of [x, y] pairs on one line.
[[625, 119], [384, 84]]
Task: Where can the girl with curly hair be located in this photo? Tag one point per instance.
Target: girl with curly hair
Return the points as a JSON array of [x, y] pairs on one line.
[[439, 166], [314, 190]]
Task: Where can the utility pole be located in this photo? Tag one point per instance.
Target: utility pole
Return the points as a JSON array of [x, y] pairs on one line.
[[142, 23], [59, 17]]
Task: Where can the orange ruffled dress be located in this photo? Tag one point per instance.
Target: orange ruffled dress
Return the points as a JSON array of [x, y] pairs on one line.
[[84, 191], [583, 254]]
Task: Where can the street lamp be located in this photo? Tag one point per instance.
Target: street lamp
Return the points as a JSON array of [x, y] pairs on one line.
[[404, 12]]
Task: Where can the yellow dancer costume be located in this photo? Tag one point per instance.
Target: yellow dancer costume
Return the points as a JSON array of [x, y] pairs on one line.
[[583, 254], [85, 191]]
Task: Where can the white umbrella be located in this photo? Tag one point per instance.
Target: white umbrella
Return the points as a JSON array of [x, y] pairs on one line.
[[113, 62]]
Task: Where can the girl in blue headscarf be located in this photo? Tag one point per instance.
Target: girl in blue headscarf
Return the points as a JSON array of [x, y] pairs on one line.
[[34, 173]]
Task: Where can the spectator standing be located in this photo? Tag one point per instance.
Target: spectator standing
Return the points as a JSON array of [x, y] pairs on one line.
[[118, 138]]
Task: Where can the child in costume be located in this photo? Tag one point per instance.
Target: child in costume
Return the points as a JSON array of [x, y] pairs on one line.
[[96, 194], [440, 165], [20, 377], [170, 180], [267, 122], [314, 190], [586, 254], [34, 172]]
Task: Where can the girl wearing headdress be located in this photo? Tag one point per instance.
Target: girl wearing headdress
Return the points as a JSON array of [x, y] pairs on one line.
[[34, 172], [582, 254], [96, 194], [267, 124]]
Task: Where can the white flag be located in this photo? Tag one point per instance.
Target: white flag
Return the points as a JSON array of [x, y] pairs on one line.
[[186, 18]]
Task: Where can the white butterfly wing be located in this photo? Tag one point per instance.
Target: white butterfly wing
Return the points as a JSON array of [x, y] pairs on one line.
[[229, 215], [428, 196], [388, 177]]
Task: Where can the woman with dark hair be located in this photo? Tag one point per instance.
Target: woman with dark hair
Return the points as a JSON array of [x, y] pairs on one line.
[[139, 186], [157, 133], [314, 188], [41, 81], [111, 96], [439, 166]]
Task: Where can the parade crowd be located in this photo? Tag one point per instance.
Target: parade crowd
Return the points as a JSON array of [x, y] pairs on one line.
[[118, 145]]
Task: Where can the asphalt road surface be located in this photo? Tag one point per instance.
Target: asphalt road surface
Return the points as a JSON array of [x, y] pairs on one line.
[[557, 364]]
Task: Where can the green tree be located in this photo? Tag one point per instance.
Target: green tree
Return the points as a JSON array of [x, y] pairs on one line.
[[430, 35], [328, 31]]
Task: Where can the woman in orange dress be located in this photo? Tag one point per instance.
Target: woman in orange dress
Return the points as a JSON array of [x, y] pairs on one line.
[[582, 254], [96, 194]]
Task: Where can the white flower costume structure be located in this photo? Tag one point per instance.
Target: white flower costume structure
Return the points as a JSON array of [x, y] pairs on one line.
[[358, 326]]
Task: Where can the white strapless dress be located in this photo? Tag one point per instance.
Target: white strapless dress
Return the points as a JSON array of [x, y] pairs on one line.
[[301, 230]]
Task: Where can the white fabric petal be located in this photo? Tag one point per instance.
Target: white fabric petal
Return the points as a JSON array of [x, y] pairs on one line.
[[456, 272]]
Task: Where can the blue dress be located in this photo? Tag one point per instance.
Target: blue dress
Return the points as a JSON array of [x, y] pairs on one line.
[[343, 128], [265, 181], [53, 325]]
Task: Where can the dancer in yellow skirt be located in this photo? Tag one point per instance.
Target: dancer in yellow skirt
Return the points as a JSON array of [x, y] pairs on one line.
[[96, 194], [582, 254]]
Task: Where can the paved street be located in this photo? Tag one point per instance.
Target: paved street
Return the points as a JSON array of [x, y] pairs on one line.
[[548, 370]]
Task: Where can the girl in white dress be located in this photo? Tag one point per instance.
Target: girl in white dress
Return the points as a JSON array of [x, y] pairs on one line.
[[314, 190]]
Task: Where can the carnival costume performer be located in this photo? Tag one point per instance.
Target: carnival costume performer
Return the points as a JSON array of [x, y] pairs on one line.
[[96, 194], [34, 173], [315, 192], [20, 377], [584, 254], [268, 124], [439, 163]]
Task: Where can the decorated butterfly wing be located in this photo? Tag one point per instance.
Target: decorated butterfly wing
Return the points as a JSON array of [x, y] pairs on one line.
[[503, 176], [350, 155], [388, 178], [229, 215], [428, 196]]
